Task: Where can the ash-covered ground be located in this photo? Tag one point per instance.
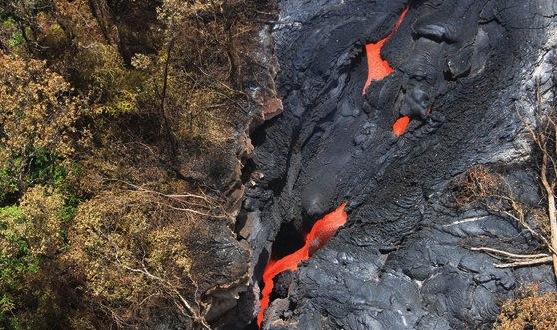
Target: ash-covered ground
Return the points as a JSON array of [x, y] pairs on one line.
[[401, 261]]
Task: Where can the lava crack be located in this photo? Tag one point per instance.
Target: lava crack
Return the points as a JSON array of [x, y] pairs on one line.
[[320, 233]]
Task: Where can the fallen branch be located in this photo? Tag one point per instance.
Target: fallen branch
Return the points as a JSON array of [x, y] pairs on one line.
[[508, 254], [522, 222], [526, 263], [194, 211]]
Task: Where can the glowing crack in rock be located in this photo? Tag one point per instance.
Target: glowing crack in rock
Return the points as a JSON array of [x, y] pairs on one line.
[[320, 233], [326, 227]]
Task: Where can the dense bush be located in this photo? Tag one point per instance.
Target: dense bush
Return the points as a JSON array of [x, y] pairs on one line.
[[108, 109]]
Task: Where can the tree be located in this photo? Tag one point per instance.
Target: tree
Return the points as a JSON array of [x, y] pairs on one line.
[[94, 93], [545, 138], [132, 248], [38, 113], [30, 237]]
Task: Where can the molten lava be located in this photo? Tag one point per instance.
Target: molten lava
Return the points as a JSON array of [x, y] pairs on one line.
[[400, 125], [319, 234], [378, 68]]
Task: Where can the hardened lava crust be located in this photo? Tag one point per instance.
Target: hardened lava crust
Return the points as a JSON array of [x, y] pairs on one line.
[[465, 73]]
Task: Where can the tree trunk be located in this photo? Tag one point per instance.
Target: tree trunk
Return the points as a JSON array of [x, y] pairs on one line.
[[102, 16], [167, 132], [235, 69]]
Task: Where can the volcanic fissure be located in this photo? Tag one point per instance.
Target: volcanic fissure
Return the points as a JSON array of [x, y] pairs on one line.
[[320, 233], [379, 68]]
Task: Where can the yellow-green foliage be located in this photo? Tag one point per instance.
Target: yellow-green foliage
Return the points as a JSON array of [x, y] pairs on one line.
[[28, 233], [12, 244], [42, 209], [34, 227], [111, 87], [10, 35], [130, 247], [38, 114], [37, 109], [15, 261]]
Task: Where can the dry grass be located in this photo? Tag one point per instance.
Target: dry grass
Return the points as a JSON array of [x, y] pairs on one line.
[[531, 311], [478, 184]]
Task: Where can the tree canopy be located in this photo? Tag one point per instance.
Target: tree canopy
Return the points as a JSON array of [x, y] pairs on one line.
[[117, 128]]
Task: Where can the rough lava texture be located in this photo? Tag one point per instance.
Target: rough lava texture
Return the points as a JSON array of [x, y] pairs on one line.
[[401, 261]]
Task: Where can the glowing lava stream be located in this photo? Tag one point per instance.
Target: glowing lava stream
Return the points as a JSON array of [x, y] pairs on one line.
[[320, 233], [378, 68]]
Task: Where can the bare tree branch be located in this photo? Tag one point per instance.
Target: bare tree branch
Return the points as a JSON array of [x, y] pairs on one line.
[[525, 263], [507, 254]]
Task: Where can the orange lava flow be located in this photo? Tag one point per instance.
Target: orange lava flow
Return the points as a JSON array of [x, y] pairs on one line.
[[320, 233], [378, 68], [400, 125]]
